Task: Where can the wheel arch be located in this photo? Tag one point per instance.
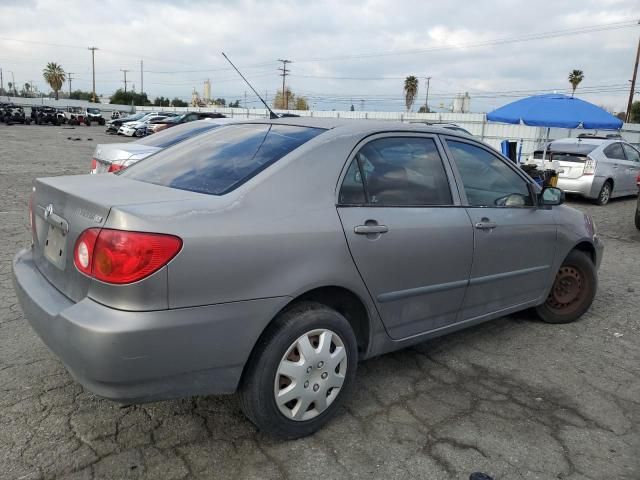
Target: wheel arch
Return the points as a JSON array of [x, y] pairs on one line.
[[587, 248], [343, 300]]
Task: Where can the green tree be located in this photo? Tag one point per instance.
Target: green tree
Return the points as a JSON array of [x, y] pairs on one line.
[[221, 102], [127, 98], [161, 102], [575, 77], [286, 102], [235, 104], [635, 112], [176, 102], [81, 95], [424, 109], [301, 103], [55, 76], [410, 91], [11, 88]]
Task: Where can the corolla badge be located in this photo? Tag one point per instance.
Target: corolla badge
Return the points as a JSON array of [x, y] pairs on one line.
[[48, 210]]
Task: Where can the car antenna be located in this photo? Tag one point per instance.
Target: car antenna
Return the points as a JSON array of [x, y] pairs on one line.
[[272, 115]]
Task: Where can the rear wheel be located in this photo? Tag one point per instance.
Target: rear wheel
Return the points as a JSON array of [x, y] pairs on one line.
[[605, 193], [572, 292], [638, 216], [101, 121], [300, 371]]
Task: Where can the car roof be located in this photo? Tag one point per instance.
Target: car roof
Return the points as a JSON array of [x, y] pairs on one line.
[[341, 126]]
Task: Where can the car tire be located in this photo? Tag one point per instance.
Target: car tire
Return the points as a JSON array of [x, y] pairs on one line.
[[638, 216], [605, 193], [572, 291], [306, 326], [101, 121], [87, 123]]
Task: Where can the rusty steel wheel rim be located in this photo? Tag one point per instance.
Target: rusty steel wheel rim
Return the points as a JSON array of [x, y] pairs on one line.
[[568, 290]]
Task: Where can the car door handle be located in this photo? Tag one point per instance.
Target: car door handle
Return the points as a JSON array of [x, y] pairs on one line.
[[486, 225], [369, 229]]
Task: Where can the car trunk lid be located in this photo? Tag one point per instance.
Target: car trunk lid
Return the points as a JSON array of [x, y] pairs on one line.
[[63, 207]]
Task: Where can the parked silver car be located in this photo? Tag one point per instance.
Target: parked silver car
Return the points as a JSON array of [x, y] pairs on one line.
[[268, 257], [112, 157], [596, 168]]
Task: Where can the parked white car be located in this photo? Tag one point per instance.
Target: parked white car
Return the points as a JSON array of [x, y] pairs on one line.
[[597, 168]]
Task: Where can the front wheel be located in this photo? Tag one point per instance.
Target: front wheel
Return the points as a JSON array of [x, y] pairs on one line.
[[638, 216], [605, 194], [573, 290], [300, 372]]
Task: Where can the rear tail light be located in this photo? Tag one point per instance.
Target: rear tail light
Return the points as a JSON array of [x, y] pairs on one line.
[[119, 256], [94, 164], [115, 167], [589, 167], [638, 180]]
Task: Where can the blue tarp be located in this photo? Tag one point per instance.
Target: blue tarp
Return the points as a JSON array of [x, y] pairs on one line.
[[554, 110]]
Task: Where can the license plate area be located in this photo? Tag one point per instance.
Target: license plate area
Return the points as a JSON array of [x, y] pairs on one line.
[[55, 247]]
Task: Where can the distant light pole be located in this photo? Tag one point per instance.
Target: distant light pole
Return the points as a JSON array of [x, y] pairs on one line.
[[426, 100], [93, 68]]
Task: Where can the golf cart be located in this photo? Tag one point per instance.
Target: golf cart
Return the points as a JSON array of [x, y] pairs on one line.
[[75, 115], [42, 115], [11, 114], [93, 115]]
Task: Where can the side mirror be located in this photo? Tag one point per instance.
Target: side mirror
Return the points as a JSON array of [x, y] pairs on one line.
[[551, 196]]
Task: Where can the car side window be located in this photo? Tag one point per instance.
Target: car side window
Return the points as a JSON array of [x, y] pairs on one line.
[[632, 154], [614, 151], [487, 180], [352, 190], [398, 171]]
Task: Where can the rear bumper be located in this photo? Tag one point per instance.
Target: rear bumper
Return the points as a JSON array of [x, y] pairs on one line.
[[143, 356], [588, 186]]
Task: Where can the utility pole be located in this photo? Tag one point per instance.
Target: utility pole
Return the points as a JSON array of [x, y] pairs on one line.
[[141, 78], [426, 100], [1, 82], [633, 85], [93, 68], [13, 82], [245, 99], [125, 79], [285, 72], [70, 77]]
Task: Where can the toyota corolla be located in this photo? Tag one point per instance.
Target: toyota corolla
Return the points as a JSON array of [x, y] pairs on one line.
[[268, 258]]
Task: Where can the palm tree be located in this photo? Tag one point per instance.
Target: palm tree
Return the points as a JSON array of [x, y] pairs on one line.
[[575, 77], [410, 91], [54, 75]]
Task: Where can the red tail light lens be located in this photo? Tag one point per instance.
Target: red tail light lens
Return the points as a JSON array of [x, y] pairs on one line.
[[115, 167], [638, 180], [94, 164], [118, 256]]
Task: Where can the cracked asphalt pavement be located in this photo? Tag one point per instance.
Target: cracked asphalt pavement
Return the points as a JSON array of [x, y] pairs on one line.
[[515, 398]]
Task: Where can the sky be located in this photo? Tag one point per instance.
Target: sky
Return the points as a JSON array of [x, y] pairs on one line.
[[342, 52]]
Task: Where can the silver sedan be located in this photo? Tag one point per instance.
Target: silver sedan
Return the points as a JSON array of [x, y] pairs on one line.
[[268, 258]]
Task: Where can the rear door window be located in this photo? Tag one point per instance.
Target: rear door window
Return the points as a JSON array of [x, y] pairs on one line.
[[398, 172], [218, 162], [614, 151]]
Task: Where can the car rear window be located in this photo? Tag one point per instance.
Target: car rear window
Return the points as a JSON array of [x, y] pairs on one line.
[[171, 136], [218, 162]]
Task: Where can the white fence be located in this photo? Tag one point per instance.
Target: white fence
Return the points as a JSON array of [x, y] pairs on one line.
[[476, 123]]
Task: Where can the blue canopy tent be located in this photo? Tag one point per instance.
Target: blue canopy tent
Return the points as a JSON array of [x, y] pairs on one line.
[[555, 110]]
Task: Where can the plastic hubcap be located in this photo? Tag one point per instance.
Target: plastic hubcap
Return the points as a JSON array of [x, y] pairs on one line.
[[310, 375]]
